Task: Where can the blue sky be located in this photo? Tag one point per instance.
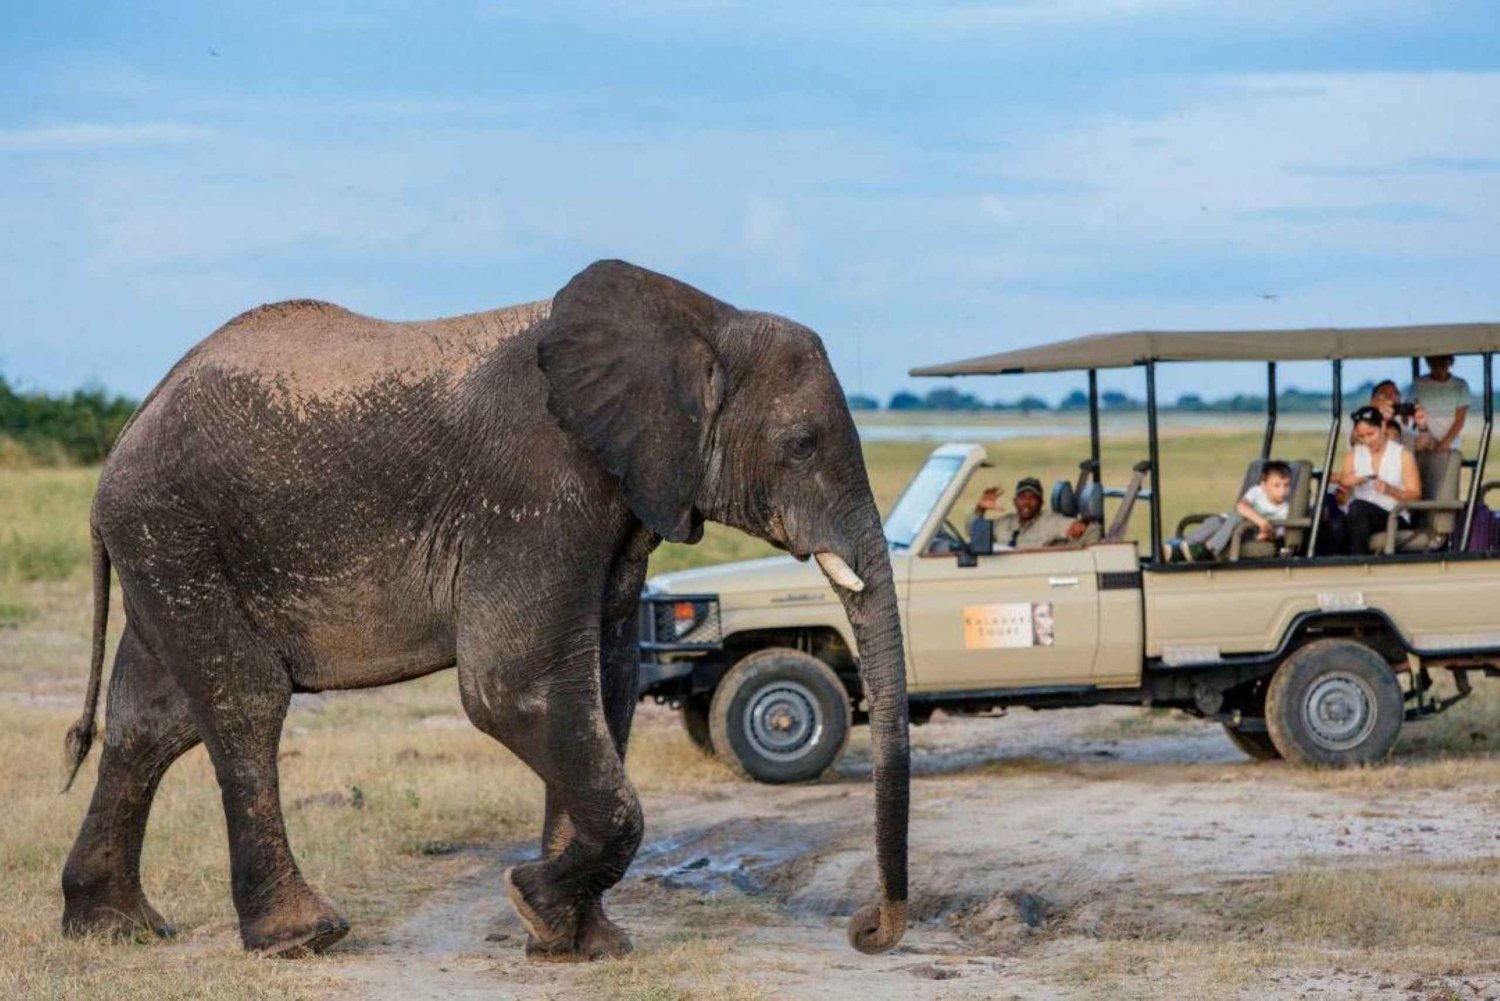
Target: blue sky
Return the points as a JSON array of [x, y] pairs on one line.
[[917, 182]]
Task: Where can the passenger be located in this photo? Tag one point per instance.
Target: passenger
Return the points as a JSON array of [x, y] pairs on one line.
[[1386, 397], [1380, 474], [1028, 527], [1445, 399], [1262, 504]]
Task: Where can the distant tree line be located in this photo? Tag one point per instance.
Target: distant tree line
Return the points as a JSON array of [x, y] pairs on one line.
[[1288, 401], [78, 426]]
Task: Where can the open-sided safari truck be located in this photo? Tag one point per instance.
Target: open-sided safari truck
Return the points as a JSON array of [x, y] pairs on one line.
[[1317, 659]]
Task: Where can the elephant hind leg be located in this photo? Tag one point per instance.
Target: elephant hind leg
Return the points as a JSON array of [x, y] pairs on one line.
[[280, 914], [147, 727]]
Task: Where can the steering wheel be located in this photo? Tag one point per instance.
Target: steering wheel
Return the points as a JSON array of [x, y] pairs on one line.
[[950, 535]]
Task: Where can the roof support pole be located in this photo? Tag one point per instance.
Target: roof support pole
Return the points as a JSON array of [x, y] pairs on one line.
[[1270, 439], [1333, 440], [1155, 457], [1416, 372], [1477, 477], [1094, 420]]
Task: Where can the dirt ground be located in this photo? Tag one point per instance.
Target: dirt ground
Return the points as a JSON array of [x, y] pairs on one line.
[[1085, 853]]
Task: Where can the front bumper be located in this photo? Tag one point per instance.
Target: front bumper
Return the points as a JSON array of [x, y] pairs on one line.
[[675, 630]]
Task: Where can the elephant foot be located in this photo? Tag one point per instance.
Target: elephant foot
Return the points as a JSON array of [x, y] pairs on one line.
[[601, 938], [550, 924], [556, 932], [128, 919], [293, 932]]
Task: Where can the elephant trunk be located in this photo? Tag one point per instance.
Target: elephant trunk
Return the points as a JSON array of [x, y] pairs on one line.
[[873, 614]]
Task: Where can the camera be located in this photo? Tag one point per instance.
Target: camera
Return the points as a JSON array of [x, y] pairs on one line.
[[1406, 408]]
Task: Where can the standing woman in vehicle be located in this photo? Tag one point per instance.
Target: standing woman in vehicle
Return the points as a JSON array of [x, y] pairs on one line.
[[1382, 475]]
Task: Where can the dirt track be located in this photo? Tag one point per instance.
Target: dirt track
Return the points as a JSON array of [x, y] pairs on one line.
[[1038, 840]]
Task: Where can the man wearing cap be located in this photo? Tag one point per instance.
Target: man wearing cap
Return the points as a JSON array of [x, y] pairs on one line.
[[1028, 527]]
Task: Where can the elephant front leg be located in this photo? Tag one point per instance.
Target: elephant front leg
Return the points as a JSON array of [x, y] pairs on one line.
[[554, 721], [619, 669]]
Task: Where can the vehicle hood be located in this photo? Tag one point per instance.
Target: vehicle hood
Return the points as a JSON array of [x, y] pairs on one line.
[[774, 573]]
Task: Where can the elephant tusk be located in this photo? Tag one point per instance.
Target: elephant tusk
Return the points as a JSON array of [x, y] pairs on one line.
[[837, 571]]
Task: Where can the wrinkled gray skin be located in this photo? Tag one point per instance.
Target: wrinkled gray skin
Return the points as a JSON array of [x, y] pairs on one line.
[[318, 500]]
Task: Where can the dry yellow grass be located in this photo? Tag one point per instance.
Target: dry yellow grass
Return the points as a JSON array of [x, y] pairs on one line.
[[691, 968], [1452, 905], [1414, 923]]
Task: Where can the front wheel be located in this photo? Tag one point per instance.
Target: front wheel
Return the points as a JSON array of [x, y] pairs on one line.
[[1253, 744], [1334, 703], [695, 721], [778, 716]]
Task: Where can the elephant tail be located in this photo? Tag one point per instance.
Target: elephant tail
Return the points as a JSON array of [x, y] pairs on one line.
[[81, 734]]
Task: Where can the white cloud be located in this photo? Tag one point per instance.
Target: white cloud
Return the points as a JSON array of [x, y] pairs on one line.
[[88, 135]]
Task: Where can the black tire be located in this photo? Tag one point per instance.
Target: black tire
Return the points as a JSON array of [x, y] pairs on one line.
[[1333, 704], [1256, 744], [780, 716], [695, 721]]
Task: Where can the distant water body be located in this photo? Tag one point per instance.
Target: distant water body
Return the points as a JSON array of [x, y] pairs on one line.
[[882, 429], [961, 432]]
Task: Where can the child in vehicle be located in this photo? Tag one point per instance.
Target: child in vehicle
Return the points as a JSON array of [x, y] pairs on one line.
[[1264, 503]]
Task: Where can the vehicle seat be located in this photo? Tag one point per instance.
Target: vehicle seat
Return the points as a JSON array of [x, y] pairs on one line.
[[1091, 510], [1299, 507], [1064, 499], [1433, 516], [1086, 475]]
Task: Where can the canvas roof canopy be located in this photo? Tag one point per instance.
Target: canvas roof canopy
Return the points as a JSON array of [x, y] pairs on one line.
[[1314, 344]]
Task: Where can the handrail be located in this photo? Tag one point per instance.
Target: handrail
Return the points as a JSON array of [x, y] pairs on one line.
[[1484, 450], [1333, 440]]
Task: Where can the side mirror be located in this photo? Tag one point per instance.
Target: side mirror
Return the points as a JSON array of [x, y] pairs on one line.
[[981, 542]]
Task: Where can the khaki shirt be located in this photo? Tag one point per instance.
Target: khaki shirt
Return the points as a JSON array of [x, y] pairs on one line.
[[1045, 529]]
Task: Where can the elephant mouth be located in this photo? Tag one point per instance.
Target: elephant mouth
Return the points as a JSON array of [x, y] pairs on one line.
[[776, 535]]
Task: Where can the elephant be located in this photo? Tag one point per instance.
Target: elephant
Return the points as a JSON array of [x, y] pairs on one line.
[[316, 500]]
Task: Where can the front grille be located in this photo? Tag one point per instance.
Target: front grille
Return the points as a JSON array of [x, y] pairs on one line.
[[658, 623]]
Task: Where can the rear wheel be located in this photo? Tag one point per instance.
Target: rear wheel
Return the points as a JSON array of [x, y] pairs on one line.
[[780, 715], [1253, 744], [695, 721], [1334, 703]]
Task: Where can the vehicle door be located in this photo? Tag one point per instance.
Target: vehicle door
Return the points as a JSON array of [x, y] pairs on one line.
[[1018, 618]]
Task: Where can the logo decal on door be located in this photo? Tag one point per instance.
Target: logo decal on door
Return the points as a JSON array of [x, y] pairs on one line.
[[1018, 624]]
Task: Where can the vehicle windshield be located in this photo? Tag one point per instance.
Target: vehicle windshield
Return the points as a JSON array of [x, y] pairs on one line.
[[911, 511]]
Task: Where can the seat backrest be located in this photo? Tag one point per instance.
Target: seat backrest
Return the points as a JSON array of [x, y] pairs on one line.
[[1091, 503], [1440, 473], [1085, 475], [1064, 499], [1299, 495]]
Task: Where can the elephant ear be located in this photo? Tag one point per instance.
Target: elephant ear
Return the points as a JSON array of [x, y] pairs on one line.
[[632, 374]]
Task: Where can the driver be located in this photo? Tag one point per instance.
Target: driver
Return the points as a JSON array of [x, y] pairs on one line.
[[1028, 527]]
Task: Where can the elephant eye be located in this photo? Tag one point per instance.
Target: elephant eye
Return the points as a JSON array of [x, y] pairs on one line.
[[801, 443]]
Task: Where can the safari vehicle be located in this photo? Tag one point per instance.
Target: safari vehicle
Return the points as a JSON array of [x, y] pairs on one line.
[[1316, 659]]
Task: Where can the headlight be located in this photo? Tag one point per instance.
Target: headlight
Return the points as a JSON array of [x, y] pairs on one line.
[[687, 616], [680, 622]]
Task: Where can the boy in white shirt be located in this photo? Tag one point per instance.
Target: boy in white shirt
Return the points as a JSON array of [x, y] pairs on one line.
[[1262, 504], [1445, 399]]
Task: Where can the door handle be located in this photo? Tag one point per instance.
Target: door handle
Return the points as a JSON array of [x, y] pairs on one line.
[[1062, 581]]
